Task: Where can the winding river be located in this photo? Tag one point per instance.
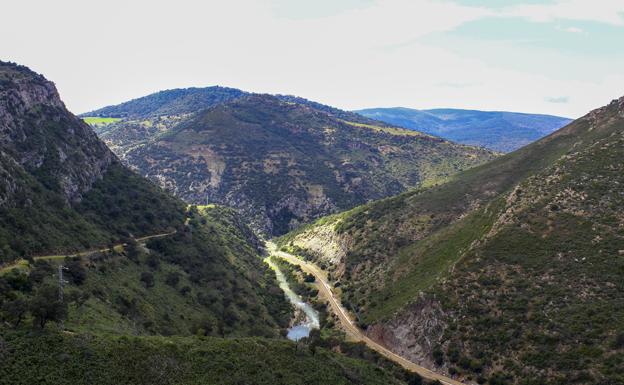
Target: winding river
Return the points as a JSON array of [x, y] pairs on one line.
[[311, 316]]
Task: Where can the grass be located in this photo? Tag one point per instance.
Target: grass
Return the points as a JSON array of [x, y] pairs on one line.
[[52, 358], [388, 130], [419, 266], [98, 121]]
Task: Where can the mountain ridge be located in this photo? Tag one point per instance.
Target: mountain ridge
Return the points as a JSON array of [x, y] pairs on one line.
[[480, 259], [315, 158], [497, 130]]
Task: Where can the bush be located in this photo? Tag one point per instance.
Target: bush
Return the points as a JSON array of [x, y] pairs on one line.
[[75, 273], [147, 278], [153, 261], [172, 279], [45, 306]]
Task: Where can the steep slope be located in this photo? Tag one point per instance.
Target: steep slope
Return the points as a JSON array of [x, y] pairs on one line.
[[54, 174], [100, 316], [496, 130], [283, 161], [510, 273], [63, 359], [64, 190]]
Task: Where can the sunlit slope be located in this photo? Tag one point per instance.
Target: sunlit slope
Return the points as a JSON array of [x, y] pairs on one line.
[[525, 249]]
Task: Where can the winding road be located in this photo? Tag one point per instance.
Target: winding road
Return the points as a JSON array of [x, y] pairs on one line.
[[352, 330]]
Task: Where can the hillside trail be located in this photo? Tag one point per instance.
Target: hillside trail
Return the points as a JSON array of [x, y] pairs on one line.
[[325, 289], [24, 262]]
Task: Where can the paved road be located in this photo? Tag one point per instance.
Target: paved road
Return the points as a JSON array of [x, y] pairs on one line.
[[352, 329], [24, 262]]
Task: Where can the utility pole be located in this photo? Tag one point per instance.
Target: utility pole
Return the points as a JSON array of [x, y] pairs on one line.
[[61, 283]]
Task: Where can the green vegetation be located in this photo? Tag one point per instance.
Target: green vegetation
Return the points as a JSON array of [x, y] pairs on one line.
[[97, 121], [205, 279], [281, 163], [51, 358], [61, 189], [169, 296], [119, 205], [167, 103], [517, 263]]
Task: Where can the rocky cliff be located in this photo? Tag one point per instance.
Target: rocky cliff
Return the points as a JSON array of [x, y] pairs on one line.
[[40, 135]]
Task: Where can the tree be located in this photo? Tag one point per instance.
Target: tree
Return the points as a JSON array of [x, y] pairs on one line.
[[314, 339], [153, 261], [40, 271], [133, 251], [172, 279], [14, 311], [76, 273], [18, 281], [147, 278], [45, 306]]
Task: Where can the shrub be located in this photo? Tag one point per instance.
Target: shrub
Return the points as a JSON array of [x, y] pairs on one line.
[[172, 279], [147, 278]]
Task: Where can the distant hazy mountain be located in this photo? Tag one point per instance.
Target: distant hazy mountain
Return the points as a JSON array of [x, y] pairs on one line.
[[496, 130]]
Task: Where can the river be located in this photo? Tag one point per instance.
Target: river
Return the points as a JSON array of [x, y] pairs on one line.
[[310, 316]]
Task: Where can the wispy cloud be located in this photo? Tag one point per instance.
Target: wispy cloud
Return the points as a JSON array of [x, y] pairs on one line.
[[602, 11], [571, 29], [558, 99]]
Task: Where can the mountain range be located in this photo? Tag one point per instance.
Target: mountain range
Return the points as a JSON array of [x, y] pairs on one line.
[[134, 255], [105, 278], [280, 160], [496, 130]]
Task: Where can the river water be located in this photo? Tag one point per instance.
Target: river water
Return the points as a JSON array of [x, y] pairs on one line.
[[311, 316]]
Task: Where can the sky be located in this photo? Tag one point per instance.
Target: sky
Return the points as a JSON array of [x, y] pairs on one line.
[[560, 57]]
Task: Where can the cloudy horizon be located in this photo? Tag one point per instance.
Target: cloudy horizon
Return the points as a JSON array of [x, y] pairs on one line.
[[537, 56]]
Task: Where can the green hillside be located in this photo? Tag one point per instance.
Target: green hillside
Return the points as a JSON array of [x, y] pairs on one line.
[[283, 161], [62, 359], [153, 291], [509, 272], [61, 189]]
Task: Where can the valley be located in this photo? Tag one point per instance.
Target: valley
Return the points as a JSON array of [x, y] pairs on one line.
[[523, 250], [217, 236], [353, 332]]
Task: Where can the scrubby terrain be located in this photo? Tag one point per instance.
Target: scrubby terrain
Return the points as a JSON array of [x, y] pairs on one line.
[[280, 160], [510, 273], [105, 278]]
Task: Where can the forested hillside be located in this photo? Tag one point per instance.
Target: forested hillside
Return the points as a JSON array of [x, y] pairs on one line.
[[281, 161], [105, 278], [511, 272]]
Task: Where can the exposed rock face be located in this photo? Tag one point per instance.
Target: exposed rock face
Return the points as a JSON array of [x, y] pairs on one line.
[[281, 161], [415, 332], [39, 134]]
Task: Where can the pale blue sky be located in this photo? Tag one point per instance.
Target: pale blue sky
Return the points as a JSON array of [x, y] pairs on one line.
[[560, 57]]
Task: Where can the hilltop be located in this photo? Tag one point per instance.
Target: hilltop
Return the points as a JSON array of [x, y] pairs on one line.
[[280, 160]]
